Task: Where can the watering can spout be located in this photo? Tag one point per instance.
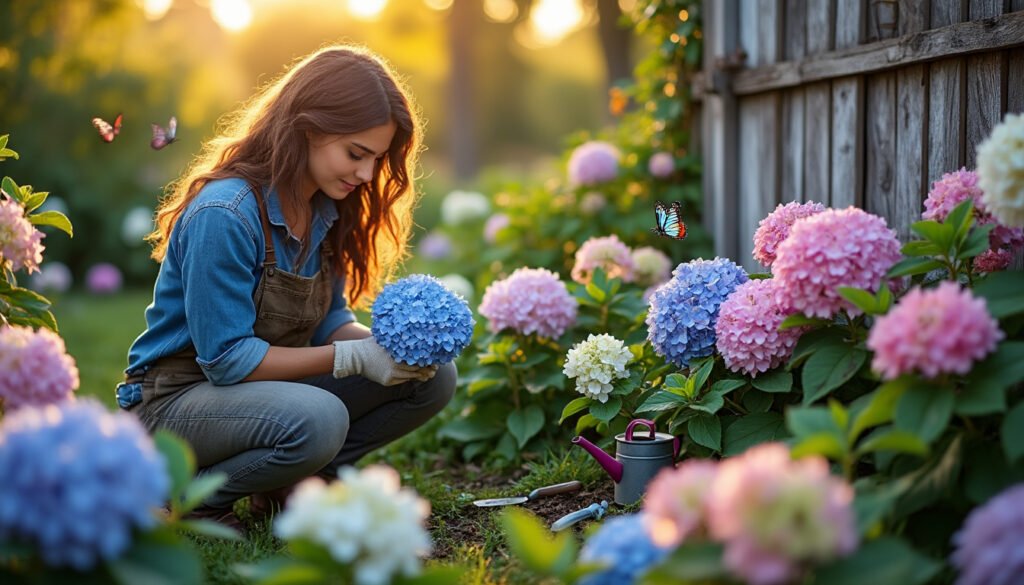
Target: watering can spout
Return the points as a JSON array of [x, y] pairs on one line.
[[613, 467]]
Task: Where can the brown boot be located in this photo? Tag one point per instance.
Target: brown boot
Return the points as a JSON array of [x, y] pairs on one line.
[[265, 505]]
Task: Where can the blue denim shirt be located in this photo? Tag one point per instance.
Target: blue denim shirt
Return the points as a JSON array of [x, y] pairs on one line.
[[204, 292]]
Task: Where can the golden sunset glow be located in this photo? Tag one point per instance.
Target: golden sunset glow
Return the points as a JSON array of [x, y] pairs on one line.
[[155, 9], [552, 20], [231, 15], [366, 9]]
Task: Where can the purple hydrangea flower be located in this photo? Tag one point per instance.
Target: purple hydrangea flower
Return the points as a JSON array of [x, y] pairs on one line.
[[20, 242], [495, 224], [77, 481], [592, 163], [420, 322], [436, 246], [988, 550], [103, 278], [35, 368], [530, 300], [626, 549], [661, 165], [681, 320]]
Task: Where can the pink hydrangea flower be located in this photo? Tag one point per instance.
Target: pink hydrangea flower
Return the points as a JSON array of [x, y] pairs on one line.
[[651, 266], [774, 228], [103, 278], [592, 163], [530, 300], [675, 502], [35, 369], [495, 224], [955, 188], [834, 248], [20, 242], [775, 515], [747, 331], [993, 260], [988, 550], [936, 331], [661, 165], [606, 252]]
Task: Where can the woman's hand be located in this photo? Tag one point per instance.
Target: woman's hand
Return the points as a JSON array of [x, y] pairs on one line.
[[364, 357]]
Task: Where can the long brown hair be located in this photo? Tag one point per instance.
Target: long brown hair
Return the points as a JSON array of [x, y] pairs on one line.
[[336, 90]]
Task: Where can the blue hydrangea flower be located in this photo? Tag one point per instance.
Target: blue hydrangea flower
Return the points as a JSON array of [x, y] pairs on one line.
[[77, 480], [624, 547], [420, 322], [681, 320]]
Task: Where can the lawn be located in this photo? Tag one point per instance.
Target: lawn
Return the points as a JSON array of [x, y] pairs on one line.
[[98, 331]]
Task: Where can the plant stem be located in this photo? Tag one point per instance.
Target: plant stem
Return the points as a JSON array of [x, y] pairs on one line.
[[736, 405]]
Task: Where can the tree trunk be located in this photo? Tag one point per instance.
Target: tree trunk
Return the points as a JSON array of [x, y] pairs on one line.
[[462, 24], [615, 41]]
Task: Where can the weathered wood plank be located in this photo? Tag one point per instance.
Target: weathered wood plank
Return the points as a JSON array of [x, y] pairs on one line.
[[792, 185], [720, 131], [882, 20], [759, 177], [795, 25], [947, 12], [1001, 32], [914, 16], [911, 157], [821, 26], [880, 142], [847, 181], [945, 118], [984, 9], [849, 22], [985, 100], [769, 31], [817, 142]]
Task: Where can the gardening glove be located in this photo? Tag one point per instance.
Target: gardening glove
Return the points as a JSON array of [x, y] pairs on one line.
[[364, 357]]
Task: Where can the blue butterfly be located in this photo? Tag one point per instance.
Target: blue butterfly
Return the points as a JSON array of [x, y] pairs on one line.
[[667, 218]]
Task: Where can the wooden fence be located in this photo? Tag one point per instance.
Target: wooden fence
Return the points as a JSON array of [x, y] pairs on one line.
[[847, 102]]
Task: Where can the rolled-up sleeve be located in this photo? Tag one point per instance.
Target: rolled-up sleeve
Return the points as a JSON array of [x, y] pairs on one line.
[[339, 314], [218, 254]]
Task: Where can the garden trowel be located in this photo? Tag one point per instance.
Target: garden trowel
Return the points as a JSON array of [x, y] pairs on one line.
[[548, 490]]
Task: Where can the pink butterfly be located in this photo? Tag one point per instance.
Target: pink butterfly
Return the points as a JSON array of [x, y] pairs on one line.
[[107, 132], [162, 137]]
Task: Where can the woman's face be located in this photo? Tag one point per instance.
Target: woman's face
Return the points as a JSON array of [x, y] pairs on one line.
[[338, 163]]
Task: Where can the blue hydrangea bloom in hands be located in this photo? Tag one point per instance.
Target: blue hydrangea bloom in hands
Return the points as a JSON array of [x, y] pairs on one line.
[[681, 320], [420, 322], [77, 480], [624, 547]]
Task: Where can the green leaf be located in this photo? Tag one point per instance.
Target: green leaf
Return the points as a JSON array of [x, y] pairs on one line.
[[11, 188], [976, 243], [469, 429], [700, 375], [705, 430], [893, 440], [931, 482], [726, 385], [158, 560], [883, 299], [1013, 433], [775, 381], [918, 248], [881, 406], [862, 299], [477, 386], [693, 562], [960, 218], [925, 410], [913, 266], [756, 401], [574, 406], [596, 293], [804, 422], [209, 528], [3, 141], [800, 320], [282, 570], [709, 403], [675, 383], [585, 422], [181, 461], [53, 218], [830, 368], [824, 444], [533, 543], [751, 430], [884, 561], [978, 399], [606, 411], [525, 423], [814, 341], [939, 234], [33, 201], [435, 575], [1003, 293], [201, 487], [661, 401]]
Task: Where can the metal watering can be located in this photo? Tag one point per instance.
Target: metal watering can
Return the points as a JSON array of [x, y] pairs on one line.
[[638, 458]]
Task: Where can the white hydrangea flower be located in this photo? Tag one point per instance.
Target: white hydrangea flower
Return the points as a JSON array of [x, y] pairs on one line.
[[1001, 171], [650, 266], [459, 207], [596, 363], [366, 520], [136, 225], [459, 285], [592, 202]]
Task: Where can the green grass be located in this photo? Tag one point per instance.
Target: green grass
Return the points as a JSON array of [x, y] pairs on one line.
[[98, 331]]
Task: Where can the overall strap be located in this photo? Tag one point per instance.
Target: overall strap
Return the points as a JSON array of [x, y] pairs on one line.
[[270, 256]]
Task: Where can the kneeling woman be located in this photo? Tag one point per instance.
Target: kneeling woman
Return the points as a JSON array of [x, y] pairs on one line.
[[251, 353]]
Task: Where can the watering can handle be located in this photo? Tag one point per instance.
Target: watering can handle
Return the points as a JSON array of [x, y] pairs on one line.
[[639, 421]]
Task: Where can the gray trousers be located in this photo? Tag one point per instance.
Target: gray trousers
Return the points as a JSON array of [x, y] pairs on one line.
[[268, 435]]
